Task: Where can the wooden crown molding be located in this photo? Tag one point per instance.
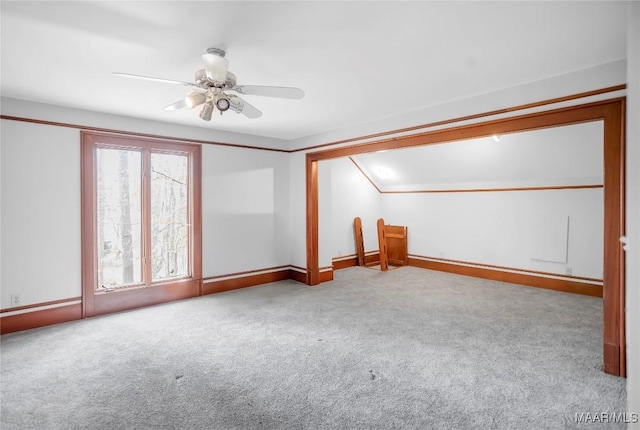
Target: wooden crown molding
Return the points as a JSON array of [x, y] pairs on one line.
[[129, 134]]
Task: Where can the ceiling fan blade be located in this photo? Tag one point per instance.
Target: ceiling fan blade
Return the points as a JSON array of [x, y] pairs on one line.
[[260, 90], [240, 105], [180, 104], [149, 78]]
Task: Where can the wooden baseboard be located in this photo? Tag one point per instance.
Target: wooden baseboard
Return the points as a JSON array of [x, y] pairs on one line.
[[343, 263], [44, 317], [298, 276], [370, 259], [244, 281], [326, 276], [612, 359], [566, 285], [157, 295]]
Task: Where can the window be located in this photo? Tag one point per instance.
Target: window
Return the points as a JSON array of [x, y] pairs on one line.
[[141, 222]]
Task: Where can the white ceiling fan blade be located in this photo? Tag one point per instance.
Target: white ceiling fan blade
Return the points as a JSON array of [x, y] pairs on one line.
[[260, 90], [240, 105], [149, 78], [180, 104]]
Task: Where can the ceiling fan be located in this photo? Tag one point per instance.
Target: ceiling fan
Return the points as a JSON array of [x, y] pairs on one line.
[[214, 89]]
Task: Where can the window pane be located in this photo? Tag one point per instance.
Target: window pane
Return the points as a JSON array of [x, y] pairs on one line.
[[169, 216], [119, 217]]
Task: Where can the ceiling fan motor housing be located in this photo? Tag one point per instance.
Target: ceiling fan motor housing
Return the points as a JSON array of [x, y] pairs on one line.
[[203, 81]]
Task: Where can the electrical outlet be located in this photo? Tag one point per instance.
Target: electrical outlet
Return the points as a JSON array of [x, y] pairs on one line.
[[15, 300], [568, 270]]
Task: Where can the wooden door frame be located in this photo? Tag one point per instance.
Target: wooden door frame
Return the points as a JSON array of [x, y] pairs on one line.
[[611, 112]]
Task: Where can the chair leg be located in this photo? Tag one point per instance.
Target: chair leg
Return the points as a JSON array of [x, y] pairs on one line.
[[382, 244]]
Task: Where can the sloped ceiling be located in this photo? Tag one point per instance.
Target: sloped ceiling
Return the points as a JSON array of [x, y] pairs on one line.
[[561, 156], [356, 61]]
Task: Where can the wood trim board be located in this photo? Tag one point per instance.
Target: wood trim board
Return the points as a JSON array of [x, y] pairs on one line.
[[565, 285], [41, 318], [298, 276], [250, 280], [506, 268], [344, 263], [124, 133], [246, 272], [40, 305], [147, 296]]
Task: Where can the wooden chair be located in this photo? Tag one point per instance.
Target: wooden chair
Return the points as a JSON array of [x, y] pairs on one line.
[[392, 244]]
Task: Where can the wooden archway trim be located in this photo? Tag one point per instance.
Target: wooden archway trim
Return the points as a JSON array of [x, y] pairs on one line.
[[611, 112]]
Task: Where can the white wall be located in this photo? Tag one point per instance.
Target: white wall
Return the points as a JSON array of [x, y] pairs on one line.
[[496, 227], [558, 231], [245, 209], [40, 213], [298, 210], [245, 200], [352, 196], [633, 212]]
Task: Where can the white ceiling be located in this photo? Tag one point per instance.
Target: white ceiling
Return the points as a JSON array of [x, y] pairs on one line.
[[356, 61], [567, 155]]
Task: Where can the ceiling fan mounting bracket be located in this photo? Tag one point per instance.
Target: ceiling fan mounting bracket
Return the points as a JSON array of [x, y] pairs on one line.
[[216, 51]]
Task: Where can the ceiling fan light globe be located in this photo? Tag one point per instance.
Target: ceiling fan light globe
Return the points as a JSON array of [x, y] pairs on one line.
[[222, 103], [230, 80], [206, 111], [200, 76], [216, 67], [194, 99], [235, 104]]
